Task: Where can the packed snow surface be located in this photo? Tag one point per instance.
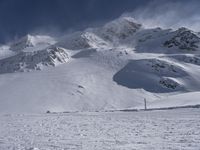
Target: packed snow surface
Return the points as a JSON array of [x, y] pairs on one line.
[[151, 130]]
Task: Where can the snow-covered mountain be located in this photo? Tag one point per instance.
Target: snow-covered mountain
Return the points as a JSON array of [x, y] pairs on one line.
[[111, 67]]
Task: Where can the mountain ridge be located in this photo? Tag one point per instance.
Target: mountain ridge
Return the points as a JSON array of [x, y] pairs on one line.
[[111, 67]]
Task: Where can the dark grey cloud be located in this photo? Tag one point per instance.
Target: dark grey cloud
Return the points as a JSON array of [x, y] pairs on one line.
[[19, 17], [169, 14]]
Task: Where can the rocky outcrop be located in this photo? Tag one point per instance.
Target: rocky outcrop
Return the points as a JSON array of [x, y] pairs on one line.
[[183, 39]]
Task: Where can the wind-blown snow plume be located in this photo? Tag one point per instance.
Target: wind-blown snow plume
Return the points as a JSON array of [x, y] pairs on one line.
[[169, 14]]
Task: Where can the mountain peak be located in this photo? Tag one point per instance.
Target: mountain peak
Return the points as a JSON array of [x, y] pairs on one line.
[[22, 43], [30, 41], [123, 22], [119, 29]]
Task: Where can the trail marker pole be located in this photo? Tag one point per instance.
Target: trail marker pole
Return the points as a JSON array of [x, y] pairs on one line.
[[145, 104]]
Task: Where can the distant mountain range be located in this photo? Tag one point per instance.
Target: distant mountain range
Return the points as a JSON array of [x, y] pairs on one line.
[[112, 67]]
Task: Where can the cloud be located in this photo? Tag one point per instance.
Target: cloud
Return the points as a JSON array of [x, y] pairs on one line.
[[169, 14], [19, 17]]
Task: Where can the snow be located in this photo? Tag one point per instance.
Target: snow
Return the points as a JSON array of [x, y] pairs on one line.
[[116, 65], [118, 30], [184, 39], [82, 40], [174, 129], [147, 74], [85, 78], [57, 89], [183, 99], [5, 52], [32, 43], [27, 61]]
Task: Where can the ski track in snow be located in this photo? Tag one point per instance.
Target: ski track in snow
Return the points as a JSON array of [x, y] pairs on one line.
[[153, 130]]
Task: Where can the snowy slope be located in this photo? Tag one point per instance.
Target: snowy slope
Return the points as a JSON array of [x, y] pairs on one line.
[[111, 67]]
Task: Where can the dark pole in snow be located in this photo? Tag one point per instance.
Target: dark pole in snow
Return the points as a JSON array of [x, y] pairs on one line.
[[145, 104]]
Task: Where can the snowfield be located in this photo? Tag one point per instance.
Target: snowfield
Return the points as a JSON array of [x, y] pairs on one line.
[[152, 130]]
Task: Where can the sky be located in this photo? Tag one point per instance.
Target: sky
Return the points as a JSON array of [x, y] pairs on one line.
[[20, 17]]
